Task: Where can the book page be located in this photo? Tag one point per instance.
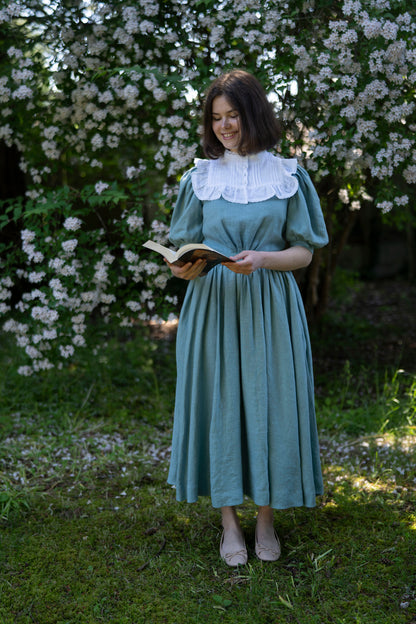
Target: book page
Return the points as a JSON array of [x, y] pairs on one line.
[[164, 251], [191, 246]]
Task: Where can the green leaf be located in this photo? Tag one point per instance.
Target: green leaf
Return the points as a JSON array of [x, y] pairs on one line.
[[223, 602], [4, 220]]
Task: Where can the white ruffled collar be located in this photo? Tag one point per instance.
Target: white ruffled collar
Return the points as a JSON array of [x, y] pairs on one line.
[[244, 179]]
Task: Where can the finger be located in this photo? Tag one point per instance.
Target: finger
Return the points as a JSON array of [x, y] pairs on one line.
[[200, 266], [195, 269], [182, 270], [179, 271], [240, 255]]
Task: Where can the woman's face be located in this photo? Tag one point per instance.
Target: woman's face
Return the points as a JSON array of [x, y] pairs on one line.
[[226, 123]]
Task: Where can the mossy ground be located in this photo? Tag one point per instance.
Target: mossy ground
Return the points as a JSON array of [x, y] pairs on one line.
[[92, 533]]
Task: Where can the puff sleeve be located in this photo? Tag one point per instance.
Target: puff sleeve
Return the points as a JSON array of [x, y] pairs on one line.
[[186, 223], [305, 225]]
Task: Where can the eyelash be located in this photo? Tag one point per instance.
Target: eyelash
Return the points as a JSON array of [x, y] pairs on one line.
[[232, 117]]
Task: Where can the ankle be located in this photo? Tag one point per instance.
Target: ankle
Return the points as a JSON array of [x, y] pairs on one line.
[[229, 519], [265, 516]]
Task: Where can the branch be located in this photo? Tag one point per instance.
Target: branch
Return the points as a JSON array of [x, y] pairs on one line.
[[144, 566]]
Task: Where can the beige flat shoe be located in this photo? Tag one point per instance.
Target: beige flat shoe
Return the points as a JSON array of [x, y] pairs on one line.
[[268, 553], [233, 559]]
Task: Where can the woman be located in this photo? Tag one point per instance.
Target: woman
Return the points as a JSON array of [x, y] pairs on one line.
[[244, 412]]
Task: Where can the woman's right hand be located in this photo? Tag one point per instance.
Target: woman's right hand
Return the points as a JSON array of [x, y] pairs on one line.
[[188, 271]]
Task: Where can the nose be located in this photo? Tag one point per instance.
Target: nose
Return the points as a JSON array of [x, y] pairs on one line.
[[225, 122]]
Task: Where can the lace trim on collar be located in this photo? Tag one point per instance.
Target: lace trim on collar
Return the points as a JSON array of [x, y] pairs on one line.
[[244, 179]]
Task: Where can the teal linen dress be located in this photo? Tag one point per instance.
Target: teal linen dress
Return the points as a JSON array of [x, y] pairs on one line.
[[244, 421]]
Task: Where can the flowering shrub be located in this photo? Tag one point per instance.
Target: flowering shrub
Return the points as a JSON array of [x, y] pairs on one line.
[[71, 271], [105, 116]]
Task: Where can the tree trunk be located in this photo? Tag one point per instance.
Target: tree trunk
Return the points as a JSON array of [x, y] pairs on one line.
[[317, 288]]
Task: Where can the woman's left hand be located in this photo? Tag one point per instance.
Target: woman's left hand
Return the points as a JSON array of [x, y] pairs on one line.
[[246, 262], [289, 259]]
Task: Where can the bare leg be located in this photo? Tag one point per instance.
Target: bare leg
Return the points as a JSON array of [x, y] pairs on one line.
[[267, 543], [265, 528], [233, 548]]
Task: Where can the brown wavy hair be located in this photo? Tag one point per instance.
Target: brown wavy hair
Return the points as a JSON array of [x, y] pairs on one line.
[[260, 129]]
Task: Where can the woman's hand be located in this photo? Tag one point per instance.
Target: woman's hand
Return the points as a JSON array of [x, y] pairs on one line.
[[188, 271], [246, 262], [289, 259]]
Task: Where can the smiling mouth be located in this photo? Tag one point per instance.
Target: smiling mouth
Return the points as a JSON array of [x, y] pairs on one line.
[[229, 135]]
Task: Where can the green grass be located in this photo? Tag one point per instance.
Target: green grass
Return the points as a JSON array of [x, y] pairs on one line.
[[92, 533]]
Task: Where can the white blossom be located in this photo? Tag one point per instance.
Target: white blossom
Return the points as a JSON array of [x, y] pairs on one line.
[[97, 141], [44, 314], [27, 236], [79, 341], [66, 351], [410, 174], [135, 306], [343, 196], [25, 371], [135, 223], [36, 276], [403, 200], [385, 206], [72, 224], [100, 187], [69, 245], [22, 93], [130, 256]]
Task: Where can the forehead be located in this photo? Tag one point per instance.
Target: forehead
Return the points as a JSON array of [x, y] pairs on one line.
[[221, 105]]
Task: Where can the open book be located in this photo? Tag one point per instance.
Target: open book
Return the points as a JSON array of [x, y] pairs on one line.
[[189, 253]]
